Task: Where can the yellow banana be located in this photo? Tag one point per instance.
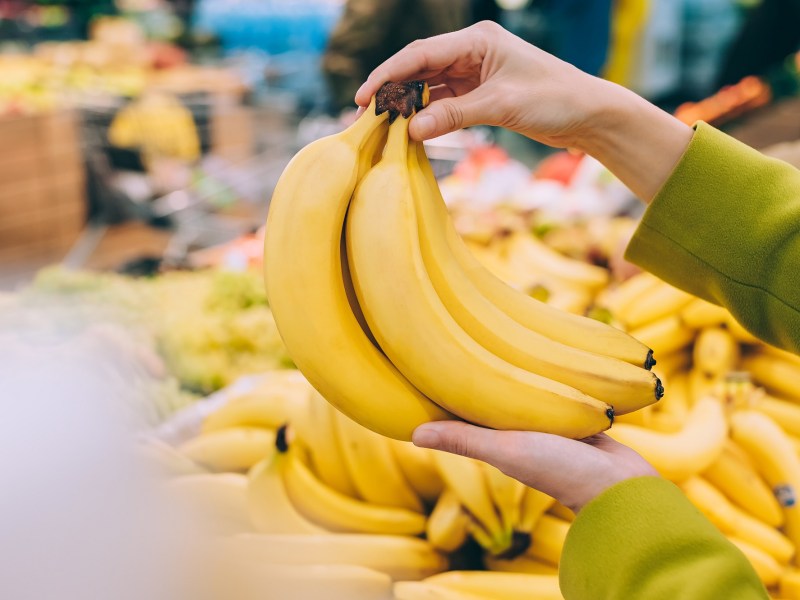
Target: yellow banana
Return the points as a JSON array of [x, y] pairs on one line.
[[166, 459], [307, 295], [625, 386], [534, 505], [219, 500], [779, 353], [235, 449], [419, 469], [572, 330], [739, 333], [520, 564], [335, 511], [465, 478], [372, 466], [507, 494], [449, 366], [547, 539], [672, 363], [784, 412], [737, 478], [657, 303], [733, 521], [689, 451], [699, 314], [268, 503], [617, 300], [778, 375], [666, 335], [502, 586], [400, 557], [560, 511], [766, 567], [774, 456], [789, 585], [447, 525], [318, 433], [419, 590], [715, 352], [670, 414]]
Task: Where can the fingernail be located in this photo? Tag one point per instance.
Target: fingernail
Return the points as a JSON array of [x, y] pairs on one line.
[[426, 436], [424, 126]]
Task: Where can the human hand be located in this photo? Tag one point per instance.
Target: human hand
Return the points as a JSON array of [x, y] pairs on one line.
[[571, 471], [486, 75]]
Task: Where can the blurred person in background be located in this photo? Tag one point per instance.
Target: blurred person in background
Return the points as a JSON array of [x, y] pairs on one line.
[[370, 31]]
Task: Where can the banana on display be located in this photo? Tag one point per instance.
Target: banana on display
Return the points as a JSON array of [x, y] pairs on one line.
[[420, 471], [218, 500], [447, 526], [235, 449], [504, 586], [520, 564]]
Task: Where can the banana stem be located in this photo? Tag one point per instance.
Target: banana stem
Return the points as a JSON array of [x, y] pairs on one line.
[[359, 132]]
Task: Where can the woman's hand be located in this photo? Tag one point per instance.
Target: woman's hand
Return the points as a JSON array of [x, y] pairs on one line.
[[486, 75], [573, 472]]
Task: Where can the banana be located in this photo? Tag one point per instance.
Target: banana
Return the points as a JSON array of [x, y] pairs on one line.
[[335, 511], [400, 557], [465, 478], [617, 300], [447, 525], [419, 469], [776, 374], [235, 449], [789, 585], [520, 564], [307, 582], [732, 521], [418, 590], [766, 567], [715, 352], [657, 303], [737, 478], [689, 451], [494, 545], [739, 333], [534, 505], [372, 466], [547, 539], [569, 329], [507, 494], [779, 353], [699, 314], [672, 363], [560, 511], [774, 456], [307, 295], [426, 344], [219, 500], [784, 412], [665, 335], [628, 386], [317, 431], [528, 254], [671, 413], [269, 506], [503, 586], [166, 459]]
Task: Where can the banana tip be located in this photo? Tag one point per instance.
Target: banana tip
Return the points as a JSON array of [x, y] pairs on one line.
[[282, 439], [649, 362], [520, 542], [610, 414], [659, 388]]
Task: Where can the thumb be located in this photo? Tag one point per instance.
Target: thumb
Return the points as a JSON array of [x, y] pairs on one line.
[[446, 115], [457, 437]]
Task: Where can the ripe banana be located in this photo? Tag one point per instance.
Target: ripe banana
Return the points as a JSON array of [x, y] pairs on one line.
[[732, 521], [689, 451], [739, 333], [235, 449], [307, 295], [560, 511], [418, 590], [372, 466], [738, 479], [572, 330], [774, 456], [507, 494], [337, 512], [465, 478], [400, 557], [419, 469], [547, 539], [218, 500], [505, 586], [625, 386], [520, 564], [447, 525], [715, 352], [534, 505], [784, 412], [789, 585], [672, 363], [618, 299], [268, 504], [670, 414], [317, 431], [766, 567], [657, 303], [776, 374], [665, 335], [427, 345], [699, 314]]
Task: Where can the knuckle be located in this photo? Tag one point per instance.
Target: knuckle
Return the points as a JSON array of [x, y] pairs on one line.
[[453, 115], [487, 27], [461, 445]]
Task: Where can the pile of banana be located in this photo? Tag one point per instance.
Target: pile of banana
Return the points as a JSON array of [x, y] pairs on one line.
[[388, 314]]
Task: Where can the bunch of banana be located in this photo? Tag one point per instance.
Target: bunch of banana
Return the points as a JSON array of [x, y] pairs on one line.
[[406, 326]]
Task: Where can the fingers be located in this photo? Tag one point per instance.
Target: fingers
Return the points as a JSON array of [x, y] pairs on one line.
[[422, 59], [450, 114]]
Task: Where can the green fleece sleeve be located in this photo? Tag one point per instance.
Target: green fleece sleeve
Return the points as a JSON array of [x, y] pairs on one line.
[[726, 227], [642, 539]]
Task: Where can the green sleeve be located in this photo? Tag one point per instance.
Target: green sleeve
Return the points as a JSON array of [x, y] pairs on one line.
[[643, 539], [726, 227]]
